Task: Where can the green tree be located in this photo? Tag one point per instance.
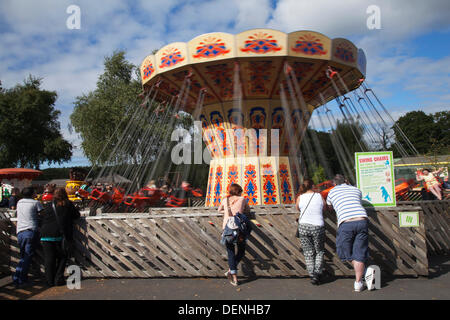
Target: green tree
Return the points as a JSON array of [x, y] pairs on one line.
[[352, 135], [97, 114], [442, 121], [427, 132], [318, 175], [29, 128], [114, 124]]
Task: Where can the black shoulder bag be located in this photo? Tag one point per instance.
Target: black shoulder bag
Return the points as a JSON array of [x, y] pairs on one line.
[[66, 245], [297, 234]]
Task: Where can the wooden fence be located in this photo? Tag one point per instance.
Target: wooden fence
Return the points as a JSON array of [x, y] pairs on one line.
[[184, 242], [437, 224]]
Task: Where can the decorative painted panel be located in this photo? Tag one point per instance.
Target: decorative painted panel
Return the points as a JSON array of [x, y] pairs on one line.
[[259, 76], [234, 117], [260, 42], [269, 180], [233, 172], [211, 46], [219, 78], [209, 137], [343, 51], [217, 120], [257, 115], [219, 178], [251, 180], [148, 69], [286, 190], [172, 56], [309, 44], [303, 71], [209, 199]]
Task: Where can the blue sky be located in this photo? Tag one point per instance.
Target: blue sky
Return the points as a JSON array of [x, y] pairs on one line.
[[408, 58]]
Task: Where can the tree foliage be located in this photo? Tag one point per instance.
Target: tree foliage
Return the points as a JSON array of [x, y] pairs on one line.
[[427, 132], [97, 114], [29, 128], [113, 125]]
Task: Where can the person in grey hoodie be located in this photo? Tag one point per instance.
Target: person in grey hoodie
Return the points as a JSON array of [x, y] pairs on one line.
[[27, 234]]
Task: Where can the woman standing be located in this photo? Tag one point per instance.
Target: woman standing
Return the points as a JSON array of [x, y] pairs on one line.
[[57, 223], [230, 206], [311, 229]]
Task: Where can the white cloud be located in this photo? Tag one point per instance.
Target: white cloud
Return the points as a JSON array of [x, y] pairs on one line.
[[252, 14], [400, 18]]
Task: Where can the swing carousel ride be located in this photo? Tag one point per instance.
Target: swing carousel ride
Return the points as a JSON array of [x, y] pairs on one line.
[[255, 94]]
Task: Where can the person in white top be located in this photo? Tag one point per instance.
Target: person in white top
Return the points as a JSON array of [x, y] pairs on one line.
[[311, 229]]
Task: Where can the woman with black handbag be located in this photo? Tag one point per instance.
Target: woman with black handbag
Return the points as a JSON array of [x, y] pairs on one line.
[[234, 205], [311, 229], [57, 236]]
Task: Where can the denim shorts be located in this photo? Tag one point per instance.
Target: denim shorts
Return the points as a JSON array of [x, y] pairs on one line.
[[352, 241]]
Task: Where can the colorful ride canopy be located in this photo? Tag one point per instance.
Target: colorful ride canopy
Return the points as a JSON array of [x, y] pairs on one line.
[[260, 57]]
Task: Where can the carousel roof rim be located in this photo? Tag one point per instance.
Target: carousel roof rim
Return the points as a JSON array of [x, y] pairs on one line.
[[180, 54]]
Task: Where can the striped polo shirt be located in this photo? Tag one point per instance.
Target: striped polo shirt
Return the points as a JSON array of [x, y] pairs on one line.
[[346, 201]]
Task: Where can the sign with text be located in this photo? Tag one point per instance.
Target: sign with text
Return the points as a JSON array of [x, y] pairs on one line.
[[375, 178], [408, 219]]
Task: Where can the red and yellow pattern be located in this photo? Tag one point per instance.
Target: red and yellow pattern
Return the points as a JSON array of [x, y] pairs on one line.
[[148, 70], [269, 186], [210, 183], [286, 189], [310, 45], [171, 57], [211, 47], [250, 187], [261, 42], [232, 176], [218, 186]]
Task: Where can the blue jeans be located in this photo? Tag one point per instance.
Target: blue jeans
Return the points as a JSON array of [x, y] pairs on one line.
[[235, 258], [28, 241]]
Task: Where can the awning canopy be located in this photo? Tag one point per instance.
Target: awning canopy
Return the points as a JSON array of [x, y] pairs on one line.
[[19, 173]]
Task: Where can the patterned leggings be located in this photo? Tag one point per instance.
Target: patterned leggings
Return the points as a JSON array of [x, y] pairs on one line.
[[312, 239]]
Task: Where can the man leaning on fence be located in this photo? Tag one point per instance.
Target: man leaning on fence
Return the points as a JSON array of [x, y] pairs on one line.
[[27, 234], [352, 239]]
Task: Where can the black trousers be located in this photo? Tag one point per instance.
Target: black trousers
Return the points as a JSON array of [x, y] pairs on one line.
[[55, 262]]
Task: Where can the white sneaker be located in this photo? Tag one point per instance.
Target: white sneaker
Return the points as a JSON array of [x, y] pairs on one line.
[[370, 278], [358, 286]]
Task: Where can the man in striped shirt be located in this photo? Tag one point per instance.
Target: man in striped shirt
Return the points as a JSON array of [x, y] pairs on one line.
[[352, 239]]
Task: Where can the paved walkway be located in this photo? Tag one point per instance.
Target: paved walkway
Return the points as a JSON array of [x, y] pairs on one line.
[[437, 286]]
